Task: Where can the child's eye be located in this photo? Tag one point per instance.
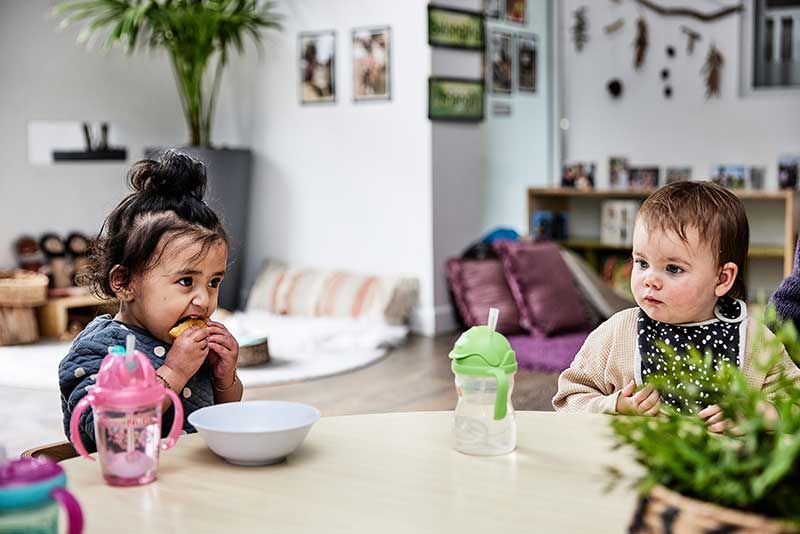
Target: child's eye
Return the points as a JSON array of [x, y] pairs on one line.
[[674, 269], [186, 282], [215, 282], [641, 263]]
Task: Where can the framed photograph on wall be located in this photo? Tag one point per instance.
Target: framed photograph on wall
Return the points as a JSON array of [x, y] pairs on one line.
[[455, 99], [317, 64], [515, 11], [501, 55], [372, 63], [455, 28], [493, 9], [526, 62]]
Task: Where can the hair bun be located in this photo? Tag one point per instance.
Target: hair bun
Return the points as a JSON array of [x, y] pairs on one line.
[[175, 174]]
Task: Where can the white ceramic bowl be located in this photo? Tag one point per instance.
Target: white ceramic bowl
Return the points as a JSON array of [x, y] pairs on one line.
[[254, 432]]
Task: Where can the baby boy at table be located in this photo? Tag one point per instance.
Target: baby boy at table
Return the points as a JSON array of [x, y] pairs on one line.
[[690, 243]]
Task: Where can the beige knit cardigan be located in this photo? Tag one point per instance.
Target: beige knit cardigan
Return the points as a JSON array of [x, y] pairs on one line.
[[607, 361]]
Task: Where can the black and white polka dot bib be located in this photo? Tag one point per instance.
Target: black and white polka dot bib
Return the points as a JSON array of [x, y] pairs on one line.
[[724, 336]]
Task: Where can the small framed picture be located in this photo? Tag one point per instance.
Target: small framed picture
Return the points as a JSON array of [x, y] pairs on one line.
[[515, 11], [526, 62], [455, 99], [618, 174], [501, 57], [455, 28], [493, 9], [317, 65], [579, 175], [644, 177], [678, 174], [787, 171], [371, 63], [730, 176], [756, 178]]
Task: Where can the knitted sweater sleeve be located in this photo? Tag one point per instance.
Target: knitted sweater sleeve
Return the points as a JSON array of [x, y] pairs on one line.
[[787, 297], [585, 385]]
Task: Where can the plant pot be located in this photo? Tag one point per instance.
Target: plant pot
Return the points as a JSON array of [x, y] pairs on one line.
[[228, 194], [667, 512]]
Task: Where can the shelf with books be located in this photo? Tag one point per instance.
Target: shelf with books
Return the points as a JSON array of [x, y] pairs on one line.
[[773, 217]]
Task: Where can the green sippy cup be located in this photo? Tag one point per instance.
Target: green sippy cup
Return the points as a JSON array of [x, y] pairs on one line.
[[484, 365]]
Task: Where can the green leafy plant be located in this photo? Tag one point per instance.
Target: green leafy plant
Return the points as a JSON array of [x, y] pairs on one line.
[[198, 35], [755, 464]]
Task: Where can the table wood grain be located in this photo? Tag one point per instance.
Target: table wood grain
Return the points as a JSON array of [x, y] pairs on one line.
[[379, 473]]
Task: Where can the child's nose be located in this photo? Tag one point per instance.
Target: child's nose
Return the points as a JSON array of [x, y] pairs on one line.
[[201, 298], [651, 279]]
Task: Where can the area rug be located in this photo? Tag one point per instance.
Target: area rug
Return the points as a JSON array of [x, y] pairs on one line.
[[301, 348]]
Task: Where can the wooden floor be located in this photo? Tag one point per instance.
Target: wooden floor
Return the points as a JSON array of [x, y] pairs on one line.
[[414, 377]]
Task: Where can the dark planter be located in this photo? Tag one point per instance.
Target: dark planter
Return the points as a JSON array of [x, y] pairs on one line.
[[229, 175]]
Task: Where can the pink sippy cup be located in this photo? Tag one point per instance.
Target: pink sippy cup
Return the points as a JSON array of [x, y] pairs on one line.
[[126, 401]]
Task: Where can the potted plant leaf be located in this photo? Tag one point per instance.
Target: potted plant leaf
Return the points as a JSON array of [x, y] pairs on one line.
[[199, 37], [744, 480]]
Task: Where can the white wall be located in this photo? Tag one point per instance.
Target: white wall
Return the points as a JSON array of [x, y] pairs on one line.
[[457, 174], [518, 147], [649, 129], [345, 185], [47, 76]]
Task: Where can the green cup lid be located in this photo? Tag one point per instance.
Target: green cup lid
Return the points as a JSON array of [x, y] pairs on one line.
[[481, 351]]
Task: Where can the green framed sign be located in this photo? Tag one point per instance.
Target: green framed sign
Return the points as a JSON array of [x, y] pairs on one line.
[[455, 28], [455, 99]]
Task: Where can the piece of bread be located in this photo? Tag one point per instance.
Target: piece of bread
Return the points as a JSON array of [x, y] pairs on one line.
[[178, 330]]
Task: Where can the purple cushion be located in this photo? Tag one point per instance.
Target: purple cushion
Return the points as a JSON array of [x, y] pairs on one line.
[[547, 354], [542, 286], [479, 285]]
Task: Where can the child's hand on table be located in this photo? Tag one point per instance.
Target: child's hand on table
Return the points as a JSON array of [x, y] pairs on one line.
[[643, 402]]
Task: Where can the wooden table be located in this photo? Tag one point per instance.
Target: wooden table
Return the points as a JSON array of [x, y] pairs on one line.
[[379, 473]]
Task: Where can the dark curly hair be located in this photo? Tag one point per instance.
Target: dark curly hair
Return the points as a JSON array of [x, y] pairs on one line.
[[167, 201]]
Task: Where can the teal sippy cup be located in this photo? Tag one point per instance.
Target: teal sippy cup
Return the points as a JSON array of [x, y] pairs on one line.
[[32, 492], [484, 365]]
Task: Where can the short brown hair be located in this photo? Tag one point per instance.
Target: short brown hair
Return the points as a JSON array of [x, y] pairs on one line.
[[716, 213]]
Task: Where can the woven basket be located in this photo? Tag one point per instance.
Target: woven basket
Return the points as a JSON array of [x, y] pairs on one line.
[[667, 512], [18, 326], [253, 352], [22, 289]]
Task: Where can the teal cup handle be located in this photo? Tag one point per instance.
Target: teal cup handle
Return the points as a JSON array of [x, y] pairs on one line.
[[501, 400]]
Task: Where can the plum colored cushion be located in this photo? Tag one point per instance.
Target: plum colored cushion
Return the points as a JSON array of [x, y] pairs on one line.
[[542, 286], [547, 354], [478, 285]]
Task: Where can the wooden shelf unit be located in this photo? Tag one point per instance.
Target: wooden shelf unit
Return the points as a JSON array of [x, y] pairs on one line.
[[55, 316], [560, 199]]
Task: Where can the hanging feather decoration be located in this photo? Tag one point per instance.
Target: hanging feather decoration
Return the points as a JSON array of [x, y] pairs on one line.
[[712, 72], [640, 43], [580, 30]]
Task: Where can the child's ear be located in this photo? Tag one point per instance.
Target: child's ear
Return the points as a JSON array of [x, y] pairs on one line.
[[119, 284], [726, 278]]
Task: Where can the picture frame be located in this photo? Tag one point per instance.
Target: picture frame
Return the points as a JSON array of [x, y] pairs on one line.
[[677, 174], [493, 9], [788, 166], [455, 99], [729, 176], [516, 11], [618, 172], [578, 175], [372, 58], [501, 71], [456, 28], [317, 67], [644, 177], [527, 62]]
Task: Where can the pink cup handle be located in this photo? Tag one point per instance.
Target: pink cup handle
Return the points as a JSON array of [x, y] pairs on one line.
[[74, 422], [72, 508], [177, 422]]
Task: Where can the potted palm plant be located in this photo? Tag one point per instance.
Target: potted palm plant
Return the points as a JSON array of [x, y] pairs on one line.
[[744, 480], [199, 37]]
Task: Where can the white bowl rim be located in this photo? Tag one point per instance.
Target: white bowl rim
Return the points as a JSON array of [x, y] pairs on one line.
[[210, 428]]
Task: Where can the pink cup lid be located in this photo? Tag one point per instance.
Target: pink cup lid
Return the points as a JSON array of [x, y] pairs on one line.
[[28, 471], [126, 382]]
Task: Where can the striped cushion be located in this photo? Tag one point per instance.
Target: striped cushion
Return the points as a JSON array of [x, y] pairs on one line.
[[311, 292]]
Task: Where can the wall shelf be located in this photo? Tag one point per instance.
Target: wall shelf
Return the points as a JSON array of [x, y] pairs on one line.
[[773, 218]]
